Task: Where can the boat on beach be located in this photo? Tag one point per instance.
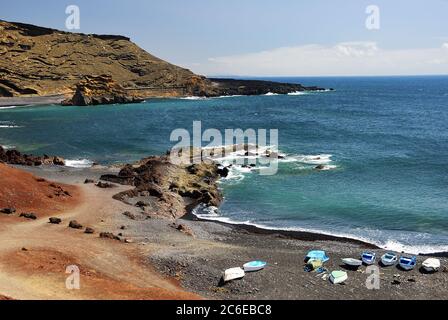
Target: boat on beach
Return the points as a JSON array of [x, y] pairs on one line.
[[338, 277], [233, 274], [408, 263], [368, 258], [389, 259], [317, 255], [254, 266], [354, 263], [431, 265]]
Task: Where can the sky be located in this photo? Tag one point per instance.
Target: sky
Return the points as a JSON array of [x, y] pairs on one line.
[[265, 37]]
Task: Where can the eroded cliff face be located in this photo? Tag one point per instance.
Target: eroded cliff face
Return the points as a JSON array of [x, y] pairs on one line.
[[42, 61], [36, 60]]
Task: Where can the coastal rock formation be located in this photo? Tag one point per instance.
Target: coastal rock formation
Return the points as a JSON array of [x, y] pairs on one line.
[[230, 87], [95, 90], [175, 187], [17, 158], [39, 61]]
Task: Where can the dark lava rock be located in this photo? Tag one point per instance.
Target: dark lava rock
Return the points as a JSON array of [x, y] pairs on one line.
[[75, 225], [141, 204], [89, 181], [185, 229], [320, 167], [31, 216], [223, 172], [8, 210], [129, 215], [54, 220], [17, 158], [109, 235], [89, 230], [105, 185]]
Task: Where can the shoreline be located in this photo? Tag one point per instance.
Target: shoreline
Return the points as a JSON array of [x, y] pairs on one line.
[[31, 101], [195, 255], [309, 236], [304, 235]]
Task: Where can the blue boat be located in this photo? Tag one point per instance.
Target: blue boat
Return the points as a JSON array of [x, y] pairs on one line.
[[368, 257], [254, 266], [316, 255], [408, 263]]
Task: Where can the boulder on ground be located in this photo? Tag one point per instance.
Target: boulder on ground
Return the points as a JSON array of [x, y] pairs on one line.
[[75, 225], [109, 235], [105, 185], [54, 220], [31, 216], [8, 210], [89, 230]]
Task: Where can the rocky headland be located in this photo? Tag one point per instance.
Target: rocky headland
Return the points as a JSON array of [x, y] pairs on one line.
[[169, 190], [17, 158], [100, 69]]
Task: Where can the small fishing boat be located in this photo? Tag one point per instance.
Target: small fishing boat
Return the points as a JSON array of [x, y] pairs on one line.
[[368, 257], [352, 262], [233, 274], [431, 265], [317, 255], [312, 265], [407, 263], [254, 266], [389, 259], [337, 277]]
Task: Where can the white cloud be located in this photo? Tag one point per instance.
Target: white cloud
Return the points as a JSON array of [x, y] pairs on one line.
[[347, 58]]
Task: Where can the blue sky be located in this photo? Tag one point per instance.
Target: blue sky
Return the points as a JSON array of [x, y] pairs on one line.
[[260, 37]]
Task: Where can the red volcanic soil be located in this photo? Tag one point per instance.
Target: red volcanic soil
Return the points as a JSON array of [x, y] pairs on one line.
[[28, 193]]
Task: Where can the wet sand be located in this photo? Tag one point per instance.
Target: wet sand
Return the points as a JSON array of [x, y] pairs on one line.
[[32, 100]]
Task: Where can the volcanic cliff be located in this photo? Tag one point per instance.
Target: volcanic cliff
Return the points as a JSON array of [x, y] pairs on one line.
[[39, 61]]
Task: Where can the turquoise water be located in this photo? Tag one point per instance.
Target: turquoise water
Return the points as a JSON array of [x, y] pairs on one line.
[[387, 137]]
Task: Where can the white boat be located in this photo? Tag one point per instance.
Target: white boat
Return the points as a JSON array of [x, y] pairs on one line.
[[254, 266], [431, 265], [389, 259], [337, 277], [352, 262], [233, 274]]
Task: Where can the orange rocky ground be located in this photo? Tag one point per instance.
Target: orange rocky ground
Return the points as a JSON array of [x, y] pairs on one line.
[[34, 254], [27, 193]]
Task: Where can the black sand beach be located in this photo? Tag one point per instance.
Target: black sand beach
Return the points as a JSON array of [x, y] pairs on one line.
[[198, 258]]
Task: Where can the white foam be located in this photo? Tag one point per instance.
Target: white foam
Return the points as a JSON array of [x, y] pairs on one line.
[[79, 163], [8, 147], [9, 126], [8, 107], [205, 213], [298, 93], [271, 94], [314, 159], [231, 96], [194, 98]]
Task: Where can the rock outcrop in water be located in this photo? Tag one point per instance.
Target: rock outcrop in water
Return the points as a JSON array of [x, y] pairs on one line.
[[40, 61], [95, 90], [17, 158], [175, 187]]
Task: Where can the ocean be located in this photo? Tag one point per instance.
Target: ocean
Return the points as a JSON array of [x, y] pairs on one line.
[[384, 141]]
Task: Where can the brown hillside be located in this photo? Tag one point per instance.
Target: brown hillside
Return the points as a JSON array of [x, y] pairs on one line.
[[37, 60]]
